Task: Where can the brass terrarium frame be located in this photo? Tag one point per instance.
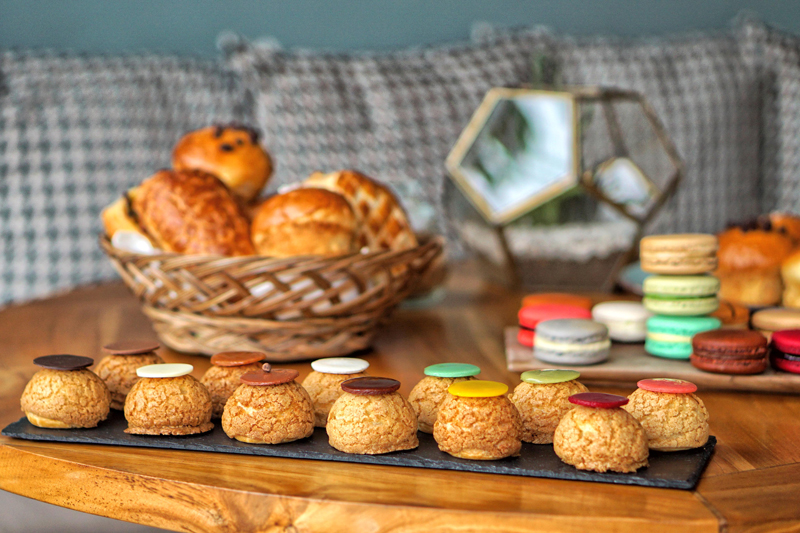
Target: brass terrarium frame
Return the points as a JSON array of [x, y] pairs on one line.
[[580, 176]]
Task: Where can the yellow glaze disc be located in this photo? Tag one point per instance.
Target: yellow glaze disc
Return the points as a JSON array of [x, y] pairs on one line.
[[478, 389]]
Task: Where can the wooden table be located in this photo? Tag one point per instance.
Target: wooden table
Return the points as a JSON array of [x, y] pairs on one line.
[[752, 483]]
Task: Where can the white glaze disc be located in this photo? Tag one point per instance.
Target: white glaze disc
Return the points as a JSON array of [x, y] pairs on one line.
[[340, 365], [164, 370]]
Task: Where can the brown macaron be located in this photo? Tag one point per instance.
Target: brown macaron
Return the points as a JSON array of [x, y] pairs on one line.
[[730, 351]]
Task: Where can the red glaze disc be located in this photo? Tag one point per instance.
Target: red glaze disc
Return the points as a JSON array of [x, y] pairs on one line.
[[669, 385], [525, 337], [786, 365], [533, 314], [370, 386], [277, 376], [787, 340], [598, 399], [134, 347], [237, 358], [63, 362]]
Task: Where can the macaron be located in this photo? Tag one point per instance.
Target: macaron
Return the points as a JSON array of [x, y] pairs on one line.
[[626, 321], [571, 341], [775, 319], [557, 298], [728, 351], [687, 253], [785, 351], [531, 315], [681, 295], [671, 336]]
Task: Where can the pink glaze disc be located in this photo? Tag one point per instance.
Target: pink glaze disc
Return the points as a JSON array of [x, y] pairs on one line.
[[669, 385]]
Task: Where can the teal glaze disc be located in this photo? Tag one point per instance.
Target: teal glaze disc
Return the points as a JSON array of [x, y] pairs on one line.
[[549, 375], [452, 370]]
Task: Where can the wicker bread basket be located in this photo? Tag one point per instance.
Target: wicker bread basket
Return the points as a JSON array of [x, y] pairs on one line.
[[293, 308]]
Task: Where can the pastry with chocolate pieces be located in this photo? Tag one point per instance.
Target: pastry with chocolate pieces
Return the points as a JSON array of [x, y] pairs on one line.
[[65, 394], [269, 407]]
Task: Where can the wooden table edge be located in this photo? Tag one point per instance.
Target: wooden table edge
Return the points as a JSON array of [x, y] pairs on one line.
[[192, 506]]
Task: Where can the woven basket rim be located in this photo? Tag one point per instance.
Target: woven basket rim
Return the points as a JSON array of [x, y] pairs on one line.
[[426, 240]]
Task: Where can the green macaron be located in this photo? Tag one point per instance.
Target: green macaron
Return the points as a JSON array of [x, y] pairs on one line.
[[681, 295], [671, 336], [681, 286], [680, 306]]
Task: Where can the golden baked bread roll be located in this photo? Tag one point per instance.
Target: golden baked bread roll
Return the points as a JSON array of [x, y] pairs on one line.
[[119, 217], [230, 152], [305, 222], [749, 265], [790, 272], [383, 223], [191, 212]]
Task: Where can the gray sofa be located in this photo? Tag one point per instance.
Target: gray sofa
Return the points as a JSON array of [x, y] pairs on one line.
[[75, 130]]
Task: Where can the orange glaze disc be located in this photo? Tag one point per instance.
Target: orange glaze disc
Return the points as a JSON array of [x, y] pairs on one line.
[[237, 358]]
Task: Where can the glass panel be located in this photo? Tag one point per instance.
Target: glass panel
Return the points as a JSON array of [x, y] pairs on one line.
[[524, 153], [623, 182]]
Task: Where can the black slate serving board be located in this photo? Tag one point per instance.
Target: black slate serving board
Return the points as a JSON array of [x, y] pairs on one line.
[[676, 470]]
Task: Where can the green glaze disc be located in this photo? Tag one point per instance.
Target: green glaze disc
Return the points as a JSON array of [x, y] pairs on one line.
[[549, 375], [452, 370]]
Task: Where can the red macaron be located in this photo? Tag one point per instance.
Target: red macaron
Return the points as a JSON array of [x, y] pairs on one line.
[[529, 316], [785, 351], [730, 351]]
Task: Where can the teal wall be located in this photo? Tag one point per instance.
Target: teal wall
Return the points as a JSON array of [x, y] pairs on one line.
[[191, 26]]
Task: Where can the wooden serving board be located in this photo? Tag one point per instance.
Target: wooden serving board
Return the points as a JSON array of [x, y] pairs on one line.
[[628, 363]]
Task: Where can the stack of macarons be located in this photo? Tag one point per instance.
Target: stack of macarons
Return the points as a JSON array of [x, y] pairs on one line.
[[549, 306], [559, 328], [681, 294]]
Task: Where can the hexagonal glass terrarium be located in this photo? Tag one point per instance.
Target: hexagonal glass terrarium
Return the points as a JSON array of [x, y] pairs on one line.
[[561, 180]]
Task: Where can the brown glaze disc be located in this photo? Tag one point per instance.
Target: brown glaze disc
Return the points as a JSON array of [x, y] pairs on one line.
[[237, 358], [277, 376], [133, 347], [63, 362], [368, 386]]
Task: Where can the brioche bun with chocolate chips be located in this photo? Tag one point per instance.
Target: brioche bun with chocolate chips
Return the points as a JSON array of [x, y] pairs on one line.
[[230, 152], [191, 212], [787, 224], [305, 222]]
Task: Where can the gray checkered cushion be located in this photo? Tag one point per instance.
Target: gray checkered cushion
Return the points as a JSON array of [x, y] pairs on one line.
[[394, 116], [777, 56], [75, 132], [707, 95]]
